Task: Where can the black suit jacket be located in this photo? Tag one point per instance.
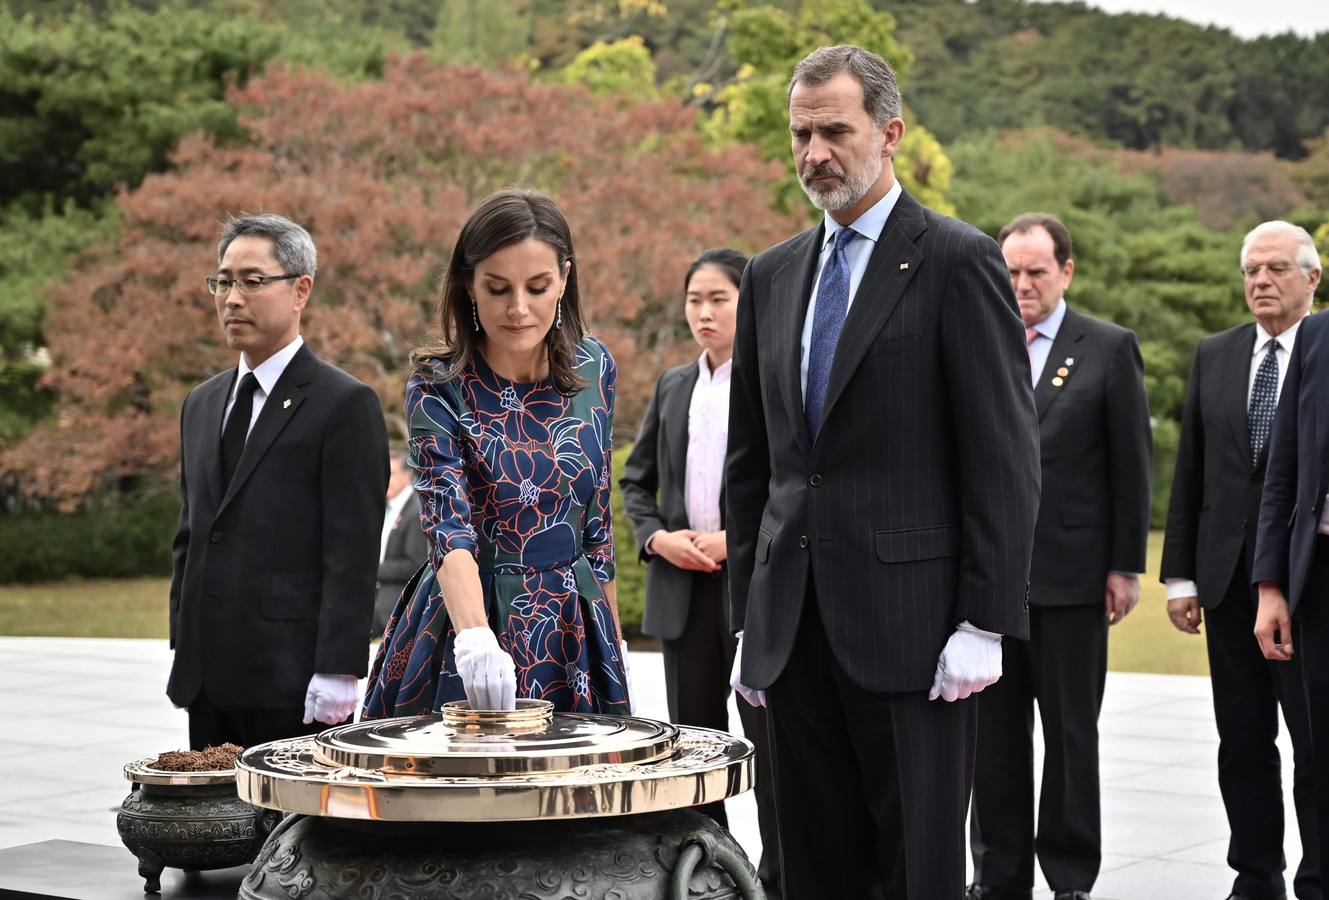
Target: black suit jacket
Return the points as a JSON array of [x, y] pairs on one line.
[[653, 483], [915, 508], [1214, 511], [407, 550], [1296, 475], [274, 576], [1097, 452]]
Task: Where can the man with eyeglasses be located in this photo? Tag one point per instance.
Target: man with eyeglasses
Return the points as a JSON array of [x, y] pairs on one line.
[[1210, 546], [283, 472]]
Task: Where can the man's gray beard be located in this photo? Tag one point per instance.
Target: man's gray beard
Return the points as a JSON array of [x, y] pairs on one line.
[[848, 192]]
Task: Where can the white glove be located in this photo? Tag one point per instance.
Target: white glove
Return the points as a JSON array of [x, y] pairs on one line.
[[487, 672], [331, 699], [970, 661], [627, 677], [754, 697]]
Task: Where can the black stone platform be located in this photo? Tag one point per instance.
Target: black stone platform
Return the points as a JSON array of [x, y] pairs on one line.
[[71, 870]]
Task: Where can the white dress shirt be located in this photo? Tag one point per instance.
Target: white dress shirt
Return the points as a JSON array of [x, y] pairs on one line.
[[869, 227], [708, 435], [1041, 347], [1185, 587], [267, 374], [390, 517]]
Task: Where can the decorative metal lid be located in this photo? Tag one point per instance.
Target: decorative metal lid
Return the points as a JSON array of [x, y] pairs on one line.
[[486, 766], [141, 771]]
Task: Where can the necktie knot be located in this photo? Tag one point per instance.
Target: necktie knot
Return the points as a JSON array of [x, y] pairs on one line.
[[843, 237], [248, 384], [1030, 335]]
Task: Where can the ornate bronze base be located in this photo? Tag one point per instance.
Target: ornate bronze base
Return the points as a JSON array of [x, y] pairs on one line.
[[191, 827], [674, 855]]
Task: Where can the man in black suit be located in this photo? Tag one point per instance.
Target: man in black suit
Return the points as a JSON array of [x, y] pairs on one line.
[[882, 485], [1089, 548], [1282, 268], [283, 469], [404, 547]]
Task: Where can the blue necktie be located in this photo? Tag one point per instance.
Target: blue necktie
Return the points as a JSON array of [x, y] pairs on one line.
[[827, 320], [1264, 400]]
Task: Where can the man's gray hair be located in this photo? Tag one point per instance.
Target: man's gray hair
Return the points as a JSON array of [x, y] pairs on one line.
[[881, 93], [291, 244], [1307, 256]]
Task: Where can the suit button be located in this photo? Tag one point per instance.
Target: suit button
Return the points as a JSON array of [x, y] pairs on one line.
[[215, 537], [803, 541], [815, 480]]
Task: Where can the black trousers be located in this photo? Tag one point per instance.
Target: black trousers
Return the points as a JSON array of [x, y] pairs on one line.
[[211, 726], [697, 667], [870, 787], [1063, 666], [1311, 643], [1248, 690]]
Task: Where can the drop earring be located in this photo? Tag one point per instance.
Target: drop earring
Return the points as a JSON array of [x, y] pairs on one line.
[[558, 323], [475, 315]]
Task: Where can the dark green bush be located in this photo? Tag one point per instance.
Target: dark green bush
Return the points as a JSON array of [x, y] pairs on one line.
[[113, 537]]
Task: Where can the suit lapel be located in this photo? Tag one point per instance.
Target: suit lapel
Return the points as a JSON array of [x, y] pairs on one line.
[[792, 286], [1067, 345], [278, 409], [214, 407], [1234, 382], [893, 263], [677, 403]]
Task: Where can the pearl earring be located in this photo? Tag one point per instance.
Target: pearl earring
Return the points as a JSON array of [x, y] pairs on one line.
[[475, 315]]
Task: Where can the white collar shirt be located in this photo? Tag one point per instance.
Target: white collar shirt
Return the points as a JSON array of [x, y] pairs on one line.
[[267, 374], [708, 436], [870, 226], [1041, 346]]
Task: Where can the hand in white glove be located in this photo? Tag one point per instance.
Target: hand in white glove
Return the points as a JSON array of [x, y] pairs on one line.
[[331, 699], [487, 672], [752, 696], [627, 677], [970, 661]]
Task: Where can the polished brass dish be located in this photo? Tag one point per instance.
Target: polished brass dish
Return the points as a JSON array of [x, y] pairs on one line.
[[465, 766], [141, 771]]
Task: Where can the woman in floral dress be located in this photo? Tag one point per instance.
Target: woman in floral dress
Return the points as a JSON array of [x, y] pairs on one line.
[[510, 420]]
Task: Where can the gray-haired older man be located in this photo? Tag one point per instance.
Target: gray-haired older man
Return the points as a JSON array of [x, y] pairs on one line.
[[881, 486], [283, 471]]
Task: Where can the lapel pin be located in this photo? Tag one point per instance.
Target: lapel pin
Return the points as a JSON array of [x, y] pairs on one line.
[[903, 266], [1070, 360], [1058, 381], [286, 404], [1063, 371]]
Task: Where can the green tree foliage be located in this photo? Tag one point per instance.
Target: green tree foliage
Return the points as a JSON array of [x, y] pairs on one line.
[[1139, 262], [1133, 80], [623, 68], [481, 32], [768, 41]]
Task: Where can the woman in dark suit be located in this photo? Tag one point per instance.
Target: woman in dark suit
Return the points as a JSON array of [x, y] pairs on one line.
[[672, 487]]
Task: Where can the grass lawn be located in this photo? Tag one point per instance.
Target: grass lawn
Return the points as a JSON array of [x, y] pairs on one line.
[[1144, 642]]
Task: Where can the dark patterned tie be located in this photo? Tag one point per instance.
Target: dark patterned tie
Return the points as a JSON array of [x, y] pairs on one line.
[[827, 320], [1264, 400], [237, 427]]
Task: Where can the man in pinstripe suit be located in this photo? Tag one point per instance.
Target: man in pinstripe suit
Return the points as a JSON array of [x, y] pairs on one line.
[[882, 484]]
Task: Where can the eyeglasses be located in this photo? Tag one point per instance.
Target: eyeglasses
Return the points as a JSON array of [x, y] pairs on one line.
[[250, 284], [1277, 270]]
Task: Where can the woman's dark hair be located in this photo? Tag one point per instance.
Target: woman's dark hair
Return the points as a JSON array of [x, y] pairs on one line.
[[504, 218], [728, 261]]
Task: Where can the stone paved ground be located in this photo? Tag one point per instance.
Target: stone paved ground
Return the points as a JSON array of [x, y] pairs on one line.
[[73, 711]]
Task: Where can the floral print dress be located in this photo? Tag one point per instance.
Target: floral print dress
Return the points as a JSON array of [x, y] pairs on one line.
[[518, 475]]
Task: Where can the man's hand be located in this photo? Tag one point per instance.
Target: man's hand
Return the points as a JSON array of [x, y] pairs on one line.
[[488, 674], [1185, 614], [752, 696], [330, 699], [970, 661], [1273, 624], [1123, 592], [711, 543], [678, 549]]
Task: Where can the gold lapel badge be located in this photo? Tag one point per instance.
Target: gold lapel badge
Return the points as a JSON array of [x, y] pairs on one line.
[[1063, 371], [1058, 381], [286, 404]]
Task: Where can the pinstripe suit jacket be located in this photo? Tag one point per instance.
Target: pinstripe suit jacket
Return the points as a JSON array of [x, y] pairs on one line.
[[915, 508]]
